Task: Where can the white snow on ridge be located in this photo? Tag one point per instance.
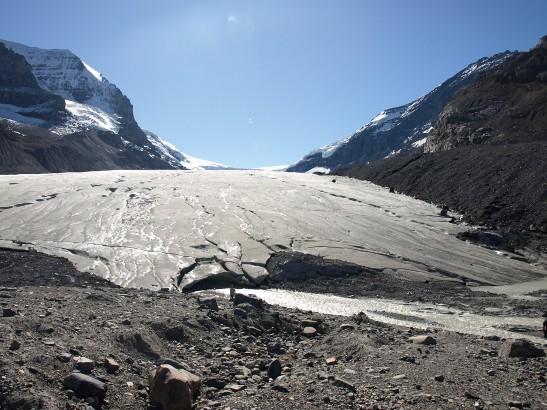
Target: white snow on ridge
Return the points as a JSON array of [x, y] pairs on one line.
[[198, 163], [419, 143], [273, 168], [171, 154], [94, 72], [61, 72]]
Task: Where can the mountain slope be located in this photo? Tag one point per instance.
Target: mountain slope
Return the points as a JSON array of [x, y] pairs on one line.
[[487, 154], [396, 130], [58, 114], [175, 158]]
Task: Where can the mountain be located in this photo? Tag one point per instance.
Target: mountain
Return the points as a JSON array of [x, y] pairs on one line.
[[57, 113], [396, 130], [486, 154]]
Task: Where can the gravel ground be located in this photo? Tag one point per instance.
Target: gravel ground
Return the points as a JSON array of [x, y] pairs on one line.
[[375, 366]]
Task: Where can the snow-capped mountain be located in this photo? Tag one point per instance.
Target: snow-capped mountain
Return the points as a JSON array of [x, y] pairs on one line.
[[395, 130], [177, 159], [61, 104]]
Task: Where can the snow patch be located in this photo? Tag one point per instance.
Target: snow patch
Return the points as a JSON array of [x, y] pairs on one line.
[[17, 114], [168, 152], [93, 72], [419, 143], [85, 116], [318, 169], [273, 168]]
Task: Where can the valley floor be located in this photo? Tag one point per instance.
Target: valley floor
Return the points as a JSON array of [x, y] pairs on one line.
[[189, 231], [60, 314]]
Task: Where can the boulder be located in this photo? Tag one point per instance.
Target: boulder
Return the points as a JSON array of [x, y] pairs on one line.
[[422, 340], [520, 348], [173, 389], [85, 386]]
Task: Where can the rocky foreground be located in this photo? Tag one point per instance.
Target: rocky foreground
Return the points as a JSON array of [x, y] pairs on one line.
[[71, 340]]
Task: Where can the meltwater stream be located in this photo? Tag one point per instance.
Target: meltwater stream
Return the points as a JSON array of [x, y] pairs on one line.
[[408, 314]]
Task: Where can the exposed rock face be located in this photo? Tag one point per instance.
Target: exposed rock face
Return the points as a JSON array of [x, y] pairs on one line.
[[396, 130], [20, 94], [505, 107]]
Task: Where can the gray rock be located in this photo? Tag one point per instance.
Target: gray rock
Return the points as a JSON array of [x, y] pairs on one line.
[[209, 302], [274, 369], [338, 381], [84, 364], [111, 365], [240, 298], [85, 386], [520, 348], [8, 312], [15, 345], [423, 340], [309, 331]]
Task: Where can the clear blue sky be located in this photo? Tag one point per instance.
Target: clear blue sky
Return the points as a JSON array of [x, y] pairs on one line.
[[252, 83]]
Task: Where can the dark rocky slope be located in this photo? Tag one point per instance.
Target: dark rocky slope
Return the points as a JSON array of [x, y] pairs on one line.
[[487, 154]]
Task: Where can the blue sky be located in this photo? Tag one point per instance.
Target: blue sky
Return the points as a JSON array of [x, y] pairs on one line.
[[255, 83]]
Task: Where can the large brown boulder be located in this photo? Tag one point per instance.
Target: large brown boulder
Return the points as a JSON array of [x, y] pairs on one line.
[[173, 389]]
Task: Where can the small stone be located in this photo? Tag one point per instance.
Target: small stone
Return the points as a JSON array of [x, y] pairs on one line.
[[111, 365], [240, 298], [274, 369], [423, 340], [331, 360], [280, 386], [235, 387], [209, 302], [126, 322], [240, 312], [48, 342], [310, 323], [84, 364], [491, 372], [8, 312], [439, 378], [347, 326], [64, 357], [338, 381], [399, 377], [515, 404], [309, 331], [15, 345]]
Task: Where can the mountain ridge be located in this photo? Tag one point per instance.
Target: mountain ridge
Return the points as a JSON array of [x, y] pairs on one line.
[[399, 129]]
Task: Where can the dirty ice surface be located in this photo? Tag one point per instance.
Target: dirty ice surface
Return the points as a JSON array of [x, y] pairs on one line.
[[141, 228]]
